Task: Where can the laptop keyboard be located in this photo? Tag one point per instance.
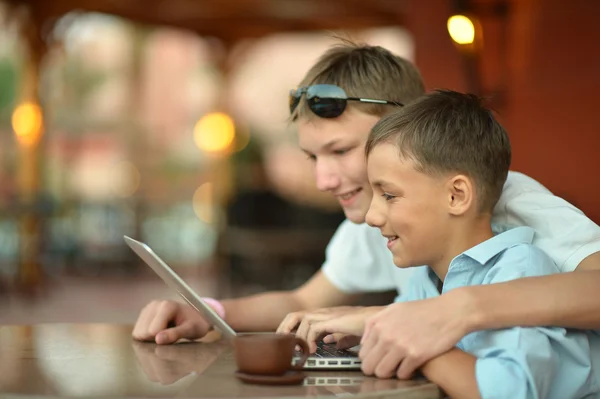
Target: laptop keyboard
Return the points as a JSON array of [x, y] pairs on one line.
[[329, 350]]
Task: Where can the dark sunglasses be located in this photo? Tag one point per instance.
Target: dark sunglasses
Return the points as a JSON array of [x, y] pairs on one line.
[[328, 101]]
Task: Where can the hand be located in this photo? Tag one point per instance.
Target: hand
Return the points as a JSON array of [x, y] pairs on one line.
[[342, 324], [293, 320], [166, 322], [405, 335]]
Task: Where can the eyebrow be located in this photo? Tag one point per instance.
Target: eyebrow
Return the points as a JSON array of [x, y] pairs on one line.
[[379, 183], [327, 146]]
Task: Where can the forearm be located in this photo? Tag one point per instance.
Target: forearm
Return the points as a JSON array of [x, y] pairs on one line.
[[454, 373], [565, 300], [261, 312], [264, 312]]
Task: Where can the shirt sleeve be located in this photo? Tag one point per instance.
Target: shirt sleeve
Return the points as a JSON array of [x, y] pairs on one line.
[[353, 263], [563, 231], [529, 362]]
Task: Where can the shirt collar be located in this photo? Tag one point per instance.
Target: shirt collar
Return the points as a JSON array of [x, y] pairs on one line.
[[485, 251]]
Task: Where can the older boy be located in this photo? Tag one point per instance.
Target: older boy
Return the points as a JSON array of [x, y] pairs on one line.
[[357, 260]]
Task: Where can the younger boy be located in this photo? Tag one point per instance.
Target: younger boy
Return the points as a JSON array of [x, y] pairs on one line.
[[437, 168]]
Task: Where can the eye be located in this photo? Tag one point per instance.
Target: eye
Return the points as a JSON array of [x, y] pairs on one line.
[[388, 197], [341, 151], [311, 157]]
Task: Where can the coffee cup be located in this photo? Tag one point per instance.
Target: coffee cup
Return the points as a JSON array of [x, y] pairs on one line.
[[268, 353]]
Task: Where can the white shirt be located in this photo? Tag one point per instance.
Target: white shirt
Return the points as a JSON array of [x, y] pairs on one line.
[[357, 258]]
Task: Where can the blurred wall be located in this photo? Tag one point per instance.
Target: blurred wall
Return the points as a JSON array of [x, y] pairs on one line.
[[552, 85]]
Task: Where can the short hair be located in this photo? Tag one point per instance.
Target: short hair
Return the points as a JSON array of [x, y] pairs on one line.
[[364, 71], [447, 131]]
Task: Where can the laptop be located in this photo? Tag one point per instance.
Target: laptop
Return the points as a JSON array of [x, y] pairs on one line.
[[327, 357]]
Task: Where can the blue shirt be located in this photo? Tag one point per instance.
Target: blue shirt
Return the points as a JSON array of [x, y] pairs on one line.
[[515, 362]]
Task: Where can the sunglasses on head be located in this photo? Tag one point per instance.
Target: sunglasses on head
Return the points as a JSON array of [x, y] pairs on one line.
[[328, 101]]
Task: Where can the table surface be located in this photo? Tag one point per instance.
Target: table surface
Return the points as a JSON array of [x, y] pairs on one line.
[[102, 360]]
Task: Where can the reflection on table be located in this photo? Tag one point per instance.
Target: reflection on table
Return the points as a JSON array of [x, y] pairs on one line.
[[92, 360]]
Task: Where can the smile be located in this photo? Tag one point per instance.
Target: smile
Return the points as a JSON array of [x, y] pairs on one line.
[[350, 194], [391, 240]]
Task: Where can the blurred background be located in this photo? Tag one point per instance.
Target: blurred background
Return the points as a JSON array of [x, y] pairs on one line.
[[167, 121]]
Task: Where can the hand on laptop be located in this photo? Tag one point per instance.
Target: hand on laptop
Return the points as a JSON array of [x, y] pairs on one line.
[[342, 324], [165, 322], [294, 320]]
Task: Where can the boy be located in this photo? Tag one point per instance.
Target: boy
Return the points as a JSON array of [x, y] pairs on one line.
[[437, 168], [357, 260]]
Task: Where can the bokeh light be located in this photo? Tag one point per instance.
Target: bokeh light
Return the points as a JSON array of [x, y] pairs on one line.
[[27, 122], [126, 179], [214, 132], [461, 29]]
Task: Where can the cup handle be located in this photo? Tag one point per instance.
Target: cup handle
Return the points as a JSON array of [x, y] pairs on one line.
[[305, 352]]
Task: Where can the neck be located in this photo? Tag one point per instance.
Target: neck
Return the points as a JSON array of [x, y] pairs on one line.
[[464, 235]]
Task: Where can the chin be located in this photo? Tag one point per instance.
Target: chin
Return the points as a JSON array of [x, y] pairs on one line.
[[355, 216], [402, 263]]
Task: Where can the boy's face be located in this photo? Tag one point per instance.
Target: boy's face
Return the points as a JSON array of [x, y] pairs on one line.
[[409, 207], [336, 148]]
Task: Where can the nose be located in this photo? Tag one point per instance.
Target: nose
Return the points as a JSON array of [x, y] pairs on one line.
[[326, 176], [374, 217]]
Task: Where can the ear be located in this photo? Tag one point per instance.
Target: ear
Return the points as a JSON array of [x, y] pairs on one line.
[[461, 195]]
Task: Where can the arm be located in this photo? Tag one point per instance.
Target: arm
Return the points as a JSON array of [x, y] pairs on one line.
[[263, 312], [454, 373], [565, 299], [569, 237], [166, 322], [516, 363]]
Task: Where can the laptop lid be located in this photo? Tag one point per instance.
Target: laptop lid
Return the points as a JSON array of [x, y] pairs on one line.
[[176, 283]]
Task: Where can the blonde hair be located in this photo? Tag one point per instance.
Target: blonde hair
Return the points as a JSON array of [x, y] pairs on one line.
[[364, 71]]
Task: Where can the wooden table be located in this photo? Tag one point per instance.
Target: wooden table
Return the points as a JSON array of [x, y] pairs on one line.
[[102, 361]]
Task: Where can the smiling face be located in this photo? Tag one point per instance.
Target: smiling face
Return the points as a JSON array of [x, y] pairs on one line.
[[409, 207], [336, 148]]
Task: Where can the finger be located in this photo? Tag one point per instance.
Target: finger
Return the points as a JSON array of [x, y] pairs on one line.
[[371, 359], [315, 333], [171, 335], [289, 323], [407, 368], [142, 324], [165, 312], [302, 332], [388, 364], [330, 338], [367, 344], [369, 323]]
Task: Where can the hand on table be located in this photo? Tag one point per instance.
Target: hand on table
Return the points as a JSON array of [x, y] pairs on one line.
[[166, 322], [405, 335]]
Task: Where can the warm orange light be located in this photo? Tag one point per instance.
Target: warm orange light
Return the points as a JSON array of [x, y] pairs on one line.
[[27, 122], [461, 29], [214, 132]]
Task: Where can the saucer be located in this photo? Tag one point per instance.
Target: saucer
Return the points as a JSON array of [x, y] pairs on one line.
[[291, 377]]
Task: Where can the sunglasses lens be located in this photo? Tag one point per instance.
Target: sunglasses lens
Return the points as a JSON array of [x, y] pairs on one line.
[[327, 107], [326, 101]]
